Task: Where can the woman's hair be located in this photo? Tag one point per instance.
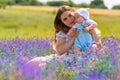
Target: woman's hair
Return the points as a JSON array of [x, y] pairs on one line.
[[58, 24]]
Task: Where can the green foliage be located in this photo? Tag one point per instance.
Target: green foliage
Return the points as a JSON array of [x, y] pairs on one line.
[[28, 2], [116, 7], [2, 77], [84, 5], [65, 73], [22, 2], [71, 3], [10, 2], [97, 4], [107, 67], [59, 3], [34, 2], [3, 4]]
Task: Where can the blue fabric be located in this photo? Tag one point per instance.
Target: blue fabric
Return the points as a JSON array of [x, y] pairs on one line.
[[84, 39]]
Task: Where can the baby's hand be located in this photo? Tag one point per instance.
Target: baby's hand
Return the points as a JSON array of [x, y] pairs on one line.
[[87, 24], [86, 27], [77, 51]]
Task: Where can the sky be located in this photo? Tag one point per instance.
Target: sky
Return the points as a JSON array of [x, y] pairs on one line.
[[108, 3]]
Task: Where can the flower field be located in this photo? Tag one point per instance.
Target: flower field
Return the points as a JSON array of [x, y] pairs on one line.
[[16, 53], [94, 65]]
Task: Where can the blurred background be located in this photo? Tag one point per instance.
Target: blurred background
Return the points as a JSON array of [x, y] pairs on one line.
[[27, 31], [29, 18]]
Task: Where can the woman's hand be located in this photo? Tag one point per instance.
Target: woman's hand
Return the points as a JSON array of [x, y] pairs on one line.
[[73, 32]]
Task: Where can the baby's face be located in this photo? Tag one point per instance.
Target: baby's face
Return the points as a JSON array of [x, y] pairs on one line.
[[78, 18]]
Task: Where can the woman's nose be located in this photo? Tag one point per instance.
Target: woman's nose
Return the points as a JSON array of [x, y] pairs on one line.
[[69, 20]]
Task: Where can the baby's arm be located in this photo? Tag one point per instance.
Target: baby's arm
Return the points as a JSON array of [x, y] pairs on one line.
[[90, 26], [92, 29]]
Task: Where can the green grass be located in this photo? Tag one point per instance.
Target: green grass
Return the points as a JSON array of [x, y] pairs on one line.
[[108, 24], [27, 23]]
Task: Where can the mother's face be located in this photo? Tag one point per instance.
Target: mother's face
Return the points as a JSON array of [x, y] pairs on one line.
[[68, 18]]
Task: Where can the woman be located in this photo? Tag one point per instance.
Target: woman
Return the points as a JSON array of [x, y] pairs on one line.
[[32, 70], [64, 20]]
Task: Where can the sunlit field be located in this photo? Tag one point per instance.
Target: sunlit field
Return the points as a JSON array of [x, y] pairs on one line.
[[25, 23], [31, 21], [26, 32]]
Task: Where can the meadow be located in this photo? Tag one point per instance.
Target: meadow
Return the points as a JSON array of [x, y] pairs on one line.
[[29, 21], [25, 23], [27, 32]]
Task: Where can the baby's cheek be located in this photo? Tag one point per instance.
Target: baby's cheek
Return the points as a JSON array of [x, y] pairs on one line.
[[78, 20]]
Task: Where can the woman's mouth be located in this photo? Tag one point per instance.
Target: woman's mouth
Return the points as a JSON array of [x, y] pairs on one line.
[[73, 22]]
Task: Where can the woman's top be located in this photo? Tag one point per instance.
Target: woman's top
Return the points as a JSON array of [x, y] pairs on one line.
[[68, 57], [61, 34]]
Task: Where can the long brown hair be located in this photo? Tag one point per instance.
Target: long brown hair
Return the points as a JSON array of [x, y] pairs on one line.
[[58, 24]]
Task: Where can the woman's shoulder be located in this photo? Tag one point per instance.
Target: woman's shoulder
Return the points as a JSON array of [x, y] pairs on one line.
[[61, 34]]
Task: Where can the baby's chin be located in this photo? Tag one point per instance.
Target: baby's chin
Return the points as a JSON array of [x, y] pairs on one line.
[[78, 22]]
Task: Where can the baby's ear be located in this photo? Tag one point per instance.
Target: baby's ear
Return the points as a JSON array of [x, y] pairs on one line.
[[88, 9]]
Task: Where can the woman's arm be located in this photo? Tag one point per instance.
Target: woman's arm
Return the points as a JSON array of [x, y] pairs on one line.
[[62, 45]]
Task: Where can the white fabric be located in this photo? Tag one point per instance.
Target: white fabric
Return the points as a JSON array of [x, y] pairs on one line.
[[83, 12]]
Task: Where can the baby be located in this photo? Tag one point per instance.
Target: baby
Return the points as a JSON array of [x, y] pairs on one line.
[[82, 19]]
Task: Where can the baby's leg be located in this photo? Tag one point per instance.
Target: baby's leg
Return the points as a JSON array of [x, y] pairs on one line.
[[77, 51], [96, 38], [94, 35]]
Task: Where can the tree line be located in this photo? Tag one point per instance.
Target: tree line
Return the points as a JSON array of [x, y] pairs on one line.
[[93, 4]]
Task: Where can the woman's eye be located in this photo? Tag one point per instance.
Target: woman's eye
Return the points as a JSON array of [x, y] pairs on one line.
[[65, 19]]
